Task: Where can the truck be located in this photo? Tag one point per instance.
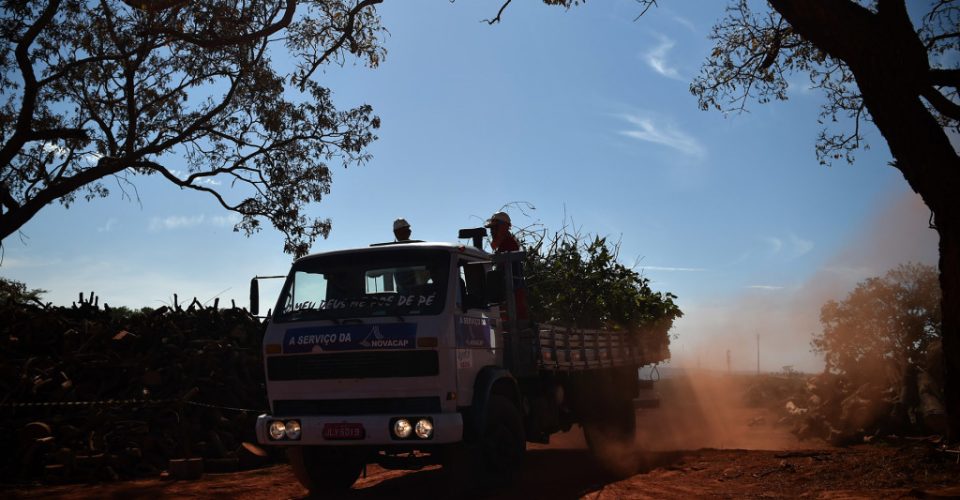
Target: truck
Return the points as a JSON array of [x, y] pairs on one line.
[[409, 354]]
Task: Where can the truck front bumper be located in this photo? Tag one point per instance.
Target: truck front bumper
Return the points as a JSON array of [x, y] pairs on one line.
[[447, 428]]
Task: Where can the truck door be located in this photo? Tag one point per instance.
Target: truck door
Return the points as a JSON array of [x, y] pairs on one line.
[[475, 327]]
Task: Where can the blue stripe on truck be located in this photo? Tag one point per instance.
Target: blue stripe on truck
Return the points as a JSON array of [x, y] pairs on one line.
[[350, 337]]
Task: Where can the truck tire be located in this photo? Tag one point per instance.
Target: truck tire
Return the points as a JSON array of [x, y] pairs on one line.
[[613, 429], [495, 458], [324, 470], [503, 443]]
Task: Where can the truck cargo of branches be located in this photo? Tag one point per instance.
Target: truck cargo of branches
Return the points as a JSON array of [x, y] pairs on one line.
[[409, 354]]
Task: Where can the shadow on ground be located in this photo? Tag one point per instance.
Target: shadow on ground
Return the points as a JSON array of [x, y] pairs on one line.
[[556, 474]]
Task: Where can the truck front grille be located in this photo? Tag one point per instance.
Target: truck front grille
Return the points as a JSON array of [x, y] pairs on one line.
[[378, 364], [375, 406]]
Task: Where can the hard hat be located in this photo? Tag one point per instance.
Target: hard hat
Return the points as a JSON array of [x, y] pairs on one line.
[[400, 224], [499, 217]]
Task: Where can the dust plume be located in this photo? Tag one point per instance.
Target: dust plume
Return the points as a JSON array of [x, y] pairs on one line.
[[704, 399], [785, 318], [700, 409]]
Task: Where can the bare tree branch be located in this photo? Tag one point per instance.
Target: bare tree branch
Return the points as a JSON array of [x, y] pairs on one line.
[[941, 104], [496, 19]]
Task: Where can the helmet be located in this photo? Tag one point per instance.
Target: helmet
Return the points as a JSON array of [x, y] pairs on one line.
[[497, 218], [400, 224]]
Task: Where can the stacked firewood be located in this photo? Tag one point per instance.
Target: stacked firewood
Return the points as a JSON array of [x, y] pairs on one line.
[[96, 393]]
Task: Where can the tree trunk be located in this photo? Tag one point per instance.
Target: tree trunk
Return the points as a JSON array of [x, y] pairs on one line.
[[891, 69], [948, 225]]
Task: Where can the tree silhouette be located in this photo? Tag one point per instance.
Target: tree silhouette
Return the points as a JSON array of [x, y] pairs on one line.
[[884, 327], [96, 91]]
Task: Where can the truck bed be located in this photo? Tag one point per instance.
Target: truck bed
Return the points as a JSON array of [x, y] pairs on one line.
[[563, 348]]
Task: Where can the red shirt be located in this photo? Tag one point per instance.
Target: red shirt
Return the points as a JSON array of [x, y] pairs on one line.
[[505, 243]]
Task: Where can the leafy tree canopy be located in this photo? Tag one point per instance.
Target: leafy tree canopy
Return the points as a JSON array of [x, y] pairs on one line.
[[13, 291], [757, 49], [883, 326], [98, 92]]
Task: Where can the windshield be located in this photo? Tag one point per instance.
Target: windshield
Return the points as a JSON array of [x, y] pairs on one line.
[[387, 283]]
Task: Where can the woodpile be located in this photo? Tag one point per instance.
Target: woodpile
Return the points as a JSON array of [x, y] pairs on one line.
[[95, 393]]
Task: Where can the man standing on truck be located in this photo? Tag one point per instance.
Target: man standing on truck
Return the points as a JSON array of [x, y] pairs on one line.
[[401, 229], [502, 241], [500, 238]]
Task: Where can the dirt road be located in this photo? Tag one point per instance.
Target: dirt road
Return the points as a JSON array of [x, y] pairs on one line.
[[735, 452], [907, 470]]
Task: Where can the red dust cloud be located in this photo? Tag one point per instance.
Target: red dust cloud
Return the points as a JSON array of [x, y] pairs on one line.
[[786, 318]]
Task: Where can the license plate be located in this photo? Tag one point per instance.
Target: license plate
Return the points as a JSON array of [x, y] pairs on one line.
[[343, 431]]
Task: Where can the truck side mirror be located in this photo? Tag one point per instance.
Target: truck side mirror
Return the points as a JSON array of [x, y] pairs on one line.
[[493, 288], [475, 234], [254, 297]]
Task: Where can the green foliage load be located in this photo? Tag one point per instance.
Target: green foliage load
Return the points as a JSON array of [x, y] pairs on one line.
[[577, 281]]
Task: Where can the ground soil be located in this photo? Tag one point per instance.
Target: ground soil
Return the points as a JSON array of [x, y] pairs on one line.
[[701, 443]]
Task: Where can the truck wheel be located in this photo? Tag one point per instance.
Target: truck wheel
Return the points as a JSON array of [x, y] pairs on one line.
[[324, 470], [503, 444], [491, 461], [610, 435]]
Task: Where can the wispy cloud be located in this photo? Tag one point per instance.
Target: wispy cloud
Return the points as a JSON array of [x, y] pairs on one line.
[[107, 226], [225, 220], [647, 129], [679, 269], [799, 86], [765, 287], [91, 157], [790, 246], [175, 222], [656, 58], [8, 263], [183, 174], [686, 23], [774, 244], [55, 149]]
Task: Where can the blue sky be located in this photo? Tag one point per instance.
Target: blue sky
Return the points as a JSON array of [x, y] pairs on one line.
[[585, 115]]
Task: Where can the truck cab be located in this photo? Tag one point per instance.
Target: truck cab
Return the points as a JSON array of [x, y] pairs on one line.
[[377, 352]]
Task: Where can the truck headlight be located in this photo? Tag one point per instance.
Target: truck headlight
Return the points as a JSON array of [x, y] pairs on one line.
[[277, 430], [402, 428], [424, 428], [292, 429]]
